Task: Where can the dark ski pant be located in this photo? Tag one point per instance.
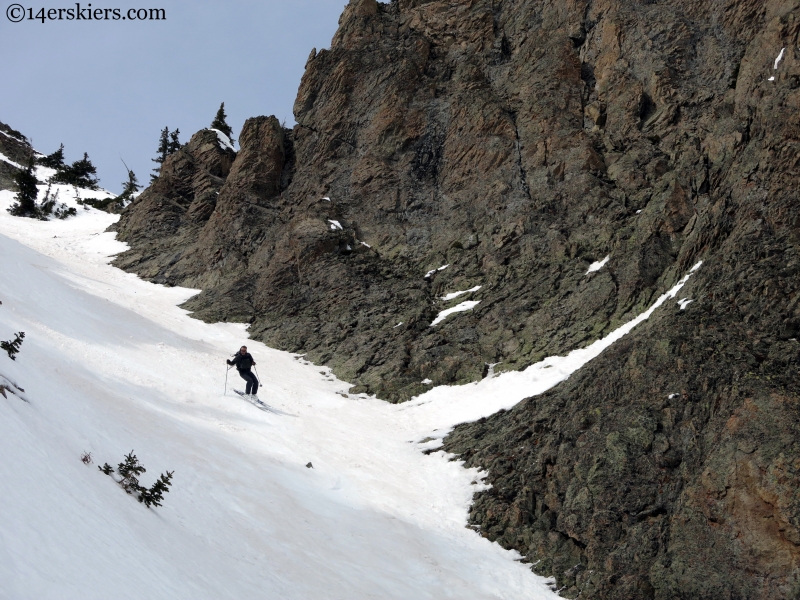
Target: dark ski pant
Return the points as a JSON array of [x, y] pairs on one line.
[[252, 382]]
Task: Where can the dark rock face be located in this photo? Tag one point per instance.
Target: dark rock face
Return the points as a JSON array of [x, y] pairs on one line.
[[15, 147], [448, 135], [666, 468], [170, 214], [518, 142]]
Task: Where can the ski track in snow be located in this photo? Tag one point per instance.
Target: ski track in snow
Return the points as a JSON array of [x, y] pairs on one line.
[[110, 363]]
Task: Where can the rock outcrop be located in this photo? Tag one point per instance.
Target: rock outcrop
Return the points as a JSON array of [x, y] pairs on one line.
[[518, 142], [15, 148]]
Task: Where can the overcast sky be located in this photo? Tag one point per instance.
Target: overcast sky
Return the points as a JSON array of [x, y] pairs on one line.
[[109, 87]]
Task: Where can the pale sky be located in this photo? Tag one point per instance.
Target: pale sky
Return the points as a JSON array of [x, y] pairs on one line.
[[109, 87]]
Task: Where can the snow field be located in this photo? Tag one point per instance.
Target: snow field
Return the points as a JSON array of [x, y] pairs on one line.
[[64, 194], [110, 364]]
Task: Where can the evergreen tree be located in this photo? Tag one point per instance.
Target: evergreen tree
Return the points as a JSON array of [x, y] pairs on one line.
[[54, 160], [49, 202], [84, 173], [12, 347], [220, 123], [81, 173], [174, 144], [130, 470], [155, 494], [129, 187], [51, 206], [25, 205], [162, 152]]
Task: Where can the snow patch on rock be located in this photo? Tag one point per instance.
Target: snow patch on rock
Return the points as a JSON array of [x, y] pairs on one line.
[[596, 266], [4, 158], [464, 306], [432, 271], [452, 295], [224, 141]]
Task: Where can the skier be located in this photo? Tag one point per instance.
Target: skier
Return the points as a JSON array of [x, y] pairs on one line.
[[243, 361]]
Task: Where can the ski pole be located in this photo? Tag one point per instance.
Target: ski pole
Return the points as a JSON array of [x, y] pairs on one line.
[[225, 393], [257, 375]]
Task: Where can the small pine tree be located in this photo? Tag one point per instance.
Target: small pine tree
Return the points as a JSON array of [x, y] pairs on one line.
[[129, 187], [12, 347], [155, 494], [25, 205], [174, 144], [54, 160], [132, 185], [85, 173], [220, 123], [51, 206], [130, 470], [162, 152], [49, 202], [81, 173], [63, 211]]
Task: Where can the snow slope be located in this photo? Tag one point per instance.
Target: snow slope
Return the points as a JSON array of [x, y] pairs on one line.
[[110, 364], [64, 195]]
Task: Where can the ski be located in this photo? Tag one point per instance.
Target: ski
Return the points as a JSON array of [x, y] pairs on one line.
[[262, 405], [254, 401]]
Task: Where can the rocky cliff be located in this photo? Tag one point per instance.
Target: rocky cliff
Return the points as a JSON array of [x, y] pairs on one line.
[[518, 142], [15, 150]]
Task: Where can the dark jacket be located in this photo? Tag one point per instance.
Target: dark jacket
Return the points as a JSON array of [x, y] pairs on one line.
[[243, 362]]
